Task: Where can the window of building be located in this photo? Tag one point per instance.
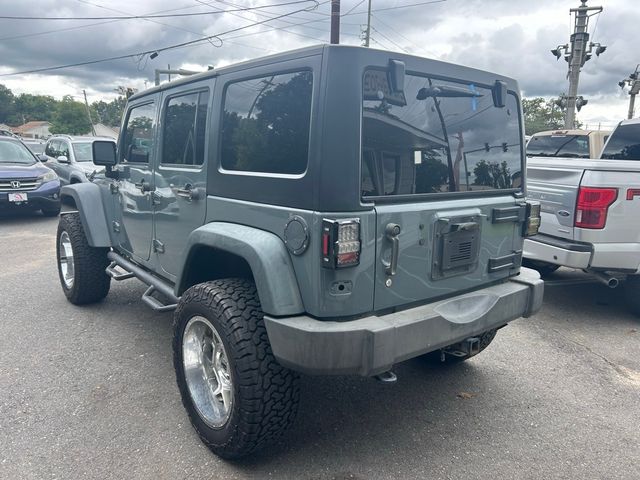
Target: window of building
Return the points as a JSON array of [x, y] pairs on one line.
[[266, 124]]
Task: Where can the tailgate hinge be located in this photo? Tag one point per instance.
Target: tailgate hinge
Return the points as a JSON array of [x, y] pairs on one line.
[[158, 246]]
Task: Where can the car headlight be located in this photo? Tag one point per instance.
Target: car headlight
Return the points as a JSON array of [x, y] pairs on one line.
[[48, 177]]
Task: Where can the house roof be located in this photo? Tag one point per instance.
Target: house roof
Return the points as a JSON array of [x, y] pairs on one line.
[[29, 125]]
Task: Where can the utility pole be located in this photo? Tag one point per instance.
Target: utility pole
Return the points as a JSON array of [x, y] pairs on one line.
[[86, 103], [367, 33], [634, 89], [577, 54], [335, 21]]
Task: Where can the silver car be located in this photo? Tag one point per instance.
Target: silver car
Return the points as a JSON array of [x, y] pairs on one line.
[[72, 158]]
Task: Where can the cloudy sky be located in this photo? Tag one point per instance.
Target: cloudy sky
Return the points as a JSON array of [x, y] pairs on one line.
[[512, 37]]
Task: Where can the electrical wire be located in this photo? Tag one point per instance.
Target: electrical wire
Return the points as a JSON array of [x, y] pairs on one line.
[[157, 50], [174, 15]]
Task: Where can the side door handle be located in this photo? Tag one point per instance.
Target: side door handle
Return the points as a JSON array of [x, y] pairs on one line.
[[187, 192], [391, 231], [144, 186]]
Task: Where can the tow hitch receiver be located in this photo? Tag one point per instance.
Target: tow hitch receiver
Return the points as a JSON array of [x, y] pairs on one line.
[[468, 347]]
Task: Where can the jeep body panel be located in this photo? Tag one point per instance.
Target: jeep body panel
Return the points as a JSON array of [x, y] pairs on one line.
[[88, 199], [264, 252]]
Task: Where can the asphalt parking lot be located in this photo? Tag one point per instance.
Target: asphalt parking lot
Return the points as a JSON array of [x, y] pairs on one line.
[[90, 393]]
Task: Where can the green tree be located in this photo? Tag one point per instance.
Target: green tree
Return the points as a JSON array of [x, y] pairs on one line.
[[70, 117], [7, 104], [109, 113], [540, 115], [30, 107]]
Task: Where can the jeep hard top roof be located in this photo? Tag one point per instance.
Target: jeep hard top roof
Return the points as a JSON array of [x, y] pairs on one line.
[[563, 132]]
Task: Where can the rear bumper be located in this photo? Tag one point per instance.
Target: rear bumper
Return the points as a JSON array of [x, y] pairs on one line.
[[373, 344], [559, 251], [623, 257]]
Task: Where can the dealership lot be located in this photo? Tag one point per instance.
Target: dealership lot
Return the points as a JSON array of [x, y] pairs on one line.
[[90, 393]]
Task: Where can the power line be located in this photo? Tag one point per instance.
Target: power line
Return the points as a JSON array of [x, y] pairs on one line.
[[154, 51], [174, 15], [385, 9]]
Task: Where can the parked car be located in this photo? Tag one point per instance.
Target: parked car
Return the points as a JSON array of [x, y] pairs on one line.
[[332, 215], [72, 158], [36, 146], [590, 212], [25, 183], [567, 143]]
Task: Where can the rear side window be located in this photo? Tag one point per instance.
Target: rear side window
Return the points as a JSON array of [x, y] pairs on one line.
[[568, 146], [184, 129], [137, 145], [624, 143], [266, 121]]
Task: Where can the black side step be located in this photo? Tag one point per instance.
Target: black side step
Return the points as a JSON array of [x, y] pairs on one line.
[[156, 285]]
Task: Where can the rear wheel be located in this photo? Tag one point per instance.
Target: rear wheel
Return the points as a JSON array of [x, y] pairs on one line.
[[81, 267], [543, 268], [632, 293], [449, 358], [237, 396]]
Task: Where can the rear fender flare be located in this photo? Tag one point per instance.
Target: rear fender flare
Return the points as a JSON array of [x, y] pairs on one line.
[[86, 198], [264, 252]]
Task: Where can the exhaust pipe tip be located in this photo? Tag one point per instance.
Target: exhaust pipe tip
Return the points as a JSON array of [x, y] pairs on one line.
[[608, 280], [613, 282]]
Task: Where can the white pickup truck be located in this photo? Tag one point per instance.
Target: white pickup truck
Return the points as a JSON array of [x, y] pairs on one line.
[[590, 212]]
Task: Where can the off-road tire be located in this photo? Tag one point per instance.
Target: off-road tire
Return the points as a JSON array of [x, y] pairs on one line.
[[265, 394], [91, 283], [544, 269], [436, 358], [632, 293], [51, 213]]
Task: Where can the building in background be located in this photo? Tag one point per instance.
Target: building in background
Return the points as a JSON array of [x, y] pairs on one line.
[[33, 129]]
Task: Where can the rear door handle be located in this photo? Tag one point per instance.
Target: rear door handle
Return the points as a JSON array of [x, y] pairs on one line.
[[392, 230], [186, 192]]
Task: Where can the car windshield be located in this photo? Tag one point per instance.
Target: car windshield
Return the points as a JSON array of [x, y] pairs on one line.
[[624, 143], [437, 136], [571, 146], [83, 152], [15, 152]]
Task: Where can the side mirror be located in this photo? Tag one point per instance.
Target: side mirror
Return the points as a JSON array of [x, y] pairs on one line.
[[104, 153], [42, 157], [63, 159], [396, 75], [499, 94]]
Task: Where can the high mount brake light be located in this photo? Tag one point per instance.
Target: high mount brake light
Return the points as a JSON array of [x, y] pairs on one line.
[[593, 205], [340, 243]]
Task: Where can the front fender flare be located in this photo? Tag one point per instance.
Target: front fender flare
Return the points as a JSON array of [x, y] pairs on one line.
[[265, 253], [88, 201]]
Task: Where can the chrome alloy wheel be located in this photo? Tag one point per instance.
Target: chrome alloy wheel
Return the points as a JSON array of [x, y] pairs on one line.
[[65, 260], [206, 371]]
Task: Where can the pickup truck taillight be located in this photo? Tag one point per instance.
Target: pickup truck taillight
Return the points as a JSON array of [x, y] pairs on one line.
[[593, 204], [340, 243]]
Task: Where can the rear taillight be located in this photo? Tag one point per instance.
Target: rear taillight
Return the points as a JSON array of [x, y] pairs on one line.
[[593, 204], [532, 222], [340, 243]]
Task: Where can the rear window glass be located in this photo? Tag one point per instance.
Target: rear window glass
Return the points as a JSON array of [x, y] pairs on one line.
[[266, 124], [568, 146], [438, 136], [624, 143]]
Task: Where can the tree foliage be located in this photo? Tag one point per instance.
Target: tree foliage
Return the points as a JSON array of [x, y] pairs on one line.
[[70, 117], [16, 110], [540, 115]]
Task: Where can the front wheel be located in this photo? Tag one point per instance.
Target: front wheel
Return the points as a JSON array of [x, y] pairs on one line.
[[237, 396], [81, 267]]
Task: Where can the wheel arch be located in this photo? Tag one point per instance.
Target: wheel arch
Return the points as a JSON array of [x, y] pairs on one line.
[[222, 250], [87, 200]]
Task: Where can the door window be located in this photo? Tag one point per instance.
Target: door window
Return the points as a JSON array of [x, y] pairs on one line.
[[184, 130], [137, 145]]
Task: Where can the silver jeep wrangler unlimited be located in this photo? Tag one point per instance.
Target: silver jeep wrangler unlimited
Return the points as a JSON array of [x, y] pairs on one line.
[[332, 210]]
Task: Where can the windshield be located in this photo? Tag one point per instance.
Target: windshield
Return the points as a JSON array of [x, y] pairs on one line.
[[573, 146], [438, 136], [624, 143], [83, 152], [15, 152]]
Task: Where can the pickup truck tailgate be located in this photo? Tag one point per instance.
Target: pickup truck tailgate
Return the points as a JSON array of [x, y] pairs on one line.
[[554, 182]]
